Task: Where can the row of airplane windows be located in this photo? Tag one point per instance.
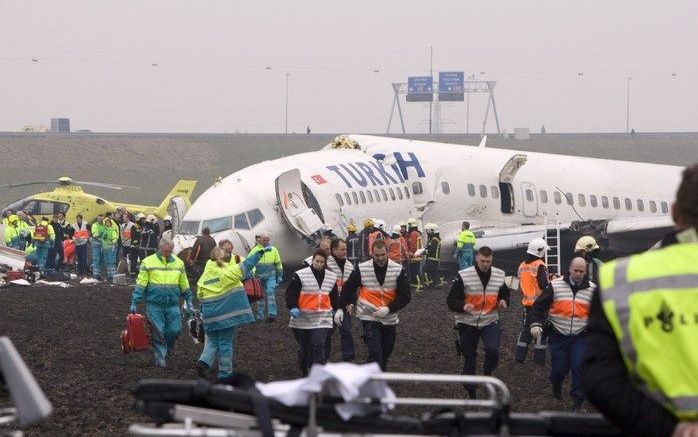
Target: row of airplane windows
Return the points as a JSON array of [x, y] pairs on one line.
[[372, 196], [605, 201]]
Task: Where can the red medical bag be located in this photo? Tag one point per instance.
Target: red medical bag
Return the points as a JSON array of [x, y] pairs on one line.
[[253, 289], [134, 337]]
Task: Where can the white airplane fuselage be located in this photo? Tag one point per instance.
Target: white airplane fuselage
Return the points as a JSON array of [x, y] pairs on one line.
[[394, 179]]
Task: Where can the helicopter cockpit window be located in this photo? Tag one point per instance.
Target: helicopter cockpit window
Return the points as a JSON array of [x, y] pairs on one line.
[[189, 228], [219, 224], [44, 207]]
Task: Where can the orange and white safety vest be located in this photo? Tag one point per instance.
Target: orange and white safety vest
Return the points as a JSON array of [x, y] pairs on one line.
[[485, 300], [342, 276], [373, 295], [528, 281], [314, 300], [569, 312]]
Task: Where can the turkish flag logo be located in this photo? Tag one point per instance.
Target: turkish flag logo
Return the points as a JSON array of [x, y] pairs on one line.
[[319, 179]]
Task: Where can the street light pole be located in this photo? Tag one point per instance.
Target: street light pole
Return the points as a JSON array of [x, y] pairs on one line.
[[286, 130], [627, 109]]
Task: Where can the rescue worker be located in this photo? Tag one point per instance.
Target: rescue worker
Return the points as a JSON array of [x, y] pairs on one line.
[[353, 245], [167, 224], [379, 289], [587, 248], [200, 253], [44, 238], [96, 230], [6, 216], [565, 303], [324, 245], [397, 247], [54, 260], [378, 233], [363, 236], [81, 235], [433, 253], [150, 235], [270, 272], [125, 229], [110, 238], [533, 278], [162, 281], [224, 306], [24, 226], [13, 238], [414, 244], [403, 229], [135, 252], [337, 263], [311, 297], [465, 247], [641, 364], [476, 296]]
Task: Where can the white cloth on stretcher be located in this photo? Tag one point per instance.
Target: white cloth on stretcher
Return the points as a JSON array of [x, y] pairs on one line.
[[346, 380]]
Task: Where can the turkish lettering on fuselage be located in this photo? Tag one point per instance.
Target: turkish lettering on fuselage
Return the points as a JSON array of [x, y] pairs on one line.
[[374, 173]]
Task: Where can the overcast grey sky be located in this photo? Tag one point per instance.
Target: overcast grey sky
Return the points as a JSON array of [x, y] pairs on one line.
[[94, 63]]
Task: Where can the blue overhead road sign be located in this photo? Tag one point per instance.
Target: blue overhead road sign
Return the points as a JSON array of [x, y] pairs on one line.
[[420, 89], [451, 86]]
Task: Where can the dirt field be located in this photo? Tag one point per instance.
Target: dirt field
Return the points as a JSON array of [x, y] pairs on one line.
[[69, 339]]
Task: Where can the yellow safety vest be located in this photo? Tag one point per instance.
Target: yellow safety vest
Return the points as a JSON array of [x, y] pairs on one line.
[[651, 302]]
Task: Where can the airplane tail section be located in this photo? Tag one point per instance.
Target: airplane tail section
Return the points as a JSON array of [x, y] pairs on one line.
[[182, 189]]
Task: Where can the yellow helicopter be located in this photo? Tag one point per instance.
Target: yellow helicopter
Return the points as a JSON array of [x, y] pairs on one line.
[[69, 198]]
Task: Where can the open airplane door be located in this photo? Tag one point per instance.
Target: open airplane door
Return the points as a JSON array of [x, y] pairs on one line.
[[177, 208], [506, 176], [292, 205]]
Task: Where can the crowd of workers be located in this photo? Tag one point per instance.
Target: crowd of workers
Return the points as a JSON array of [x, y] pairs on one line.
[[51, 244]]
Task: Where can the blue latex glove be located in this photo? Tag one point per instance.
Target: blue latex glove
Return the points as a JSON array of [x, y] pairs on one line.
[[267, 248], [132, 310], [295, 313]]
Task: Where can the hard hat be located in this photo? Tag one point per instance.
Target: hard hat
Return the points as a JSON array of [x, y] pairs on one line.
[[537, 247], [396, 229], [368, 223], [412, 222], [139, 216], [380, 224], [403, 224], [167, 217], [431, 228], [151, 218], [13, 218], [351, 227], [587, 243]]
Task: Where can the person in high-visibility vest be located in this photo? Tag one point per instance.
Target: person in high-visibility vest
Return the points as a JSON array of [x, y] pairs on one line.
[[353, 245], [533, 278], [311, 297], [44, 238], [81, 236], [433, 255], [641, 368], [465, 247], [270, 271], [414, 264], [338, 262]]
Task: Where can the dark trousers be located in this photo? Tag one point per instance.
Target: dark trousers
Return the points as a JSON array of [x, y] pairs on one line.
[[346, 341], [311, 347], [567, 353], [134, 254], [470, 337], [431, 272], [55, 256], [413, 271], [380, 341], [81, 254], [525, 338]]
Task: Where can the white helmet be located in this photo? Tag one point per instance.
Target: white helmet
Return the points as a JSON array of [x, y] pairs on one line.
[[139, 216], [167, 217], [397, 229], [412, 222], [380, 224], [587, 243], [431, 228], [537, 247]]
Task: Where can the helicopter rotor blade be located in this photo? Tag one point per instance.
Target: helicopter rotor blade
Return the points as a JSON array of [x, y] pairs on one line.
[[26, 184], [106, 185]]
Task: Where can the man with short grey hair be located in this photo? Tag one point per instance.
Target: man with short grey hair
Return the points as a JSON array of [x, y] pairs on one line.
[[270, 271]]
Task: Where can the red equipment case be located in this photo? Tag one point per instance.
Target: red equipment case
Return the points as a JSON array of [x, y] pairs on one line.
[[253, 289], [134, 337]]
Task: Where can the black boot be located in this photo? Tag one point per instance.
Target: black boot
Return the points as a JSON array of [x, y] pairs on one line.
[[202, 369]]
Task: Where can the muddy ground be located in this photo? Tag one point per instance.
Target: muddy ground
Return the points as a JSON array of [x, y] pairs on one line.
[[70, 340]]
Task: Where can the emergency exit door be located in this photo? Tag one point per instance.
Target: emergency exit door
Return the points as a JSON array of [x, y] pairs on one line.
[[529, 199]]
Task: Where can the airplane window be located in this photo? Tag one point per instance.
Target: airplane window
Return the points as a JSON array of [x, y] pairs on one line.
[[582, 200], [604, 201], [339, 199], [495, 192], [347, 198], [653, 206], [392, 193], [529, 195], [640, 205], [471, 190], [218, 224], [385, 196], [363, 196], [557, 197], [189, 228], [378, 196], [593, 200], [616, 203], [665, 208], [356, 198], [255, 216], [240, 222], [416, 188], [570, 198], [445, 187], [543, 196], [407, 192], [483, 191], [399, 193], [628, 204], [370, 196]]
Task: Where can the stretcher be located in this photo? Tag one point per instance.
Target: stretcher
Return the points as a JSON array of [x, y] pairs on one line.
[[199, 408]]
